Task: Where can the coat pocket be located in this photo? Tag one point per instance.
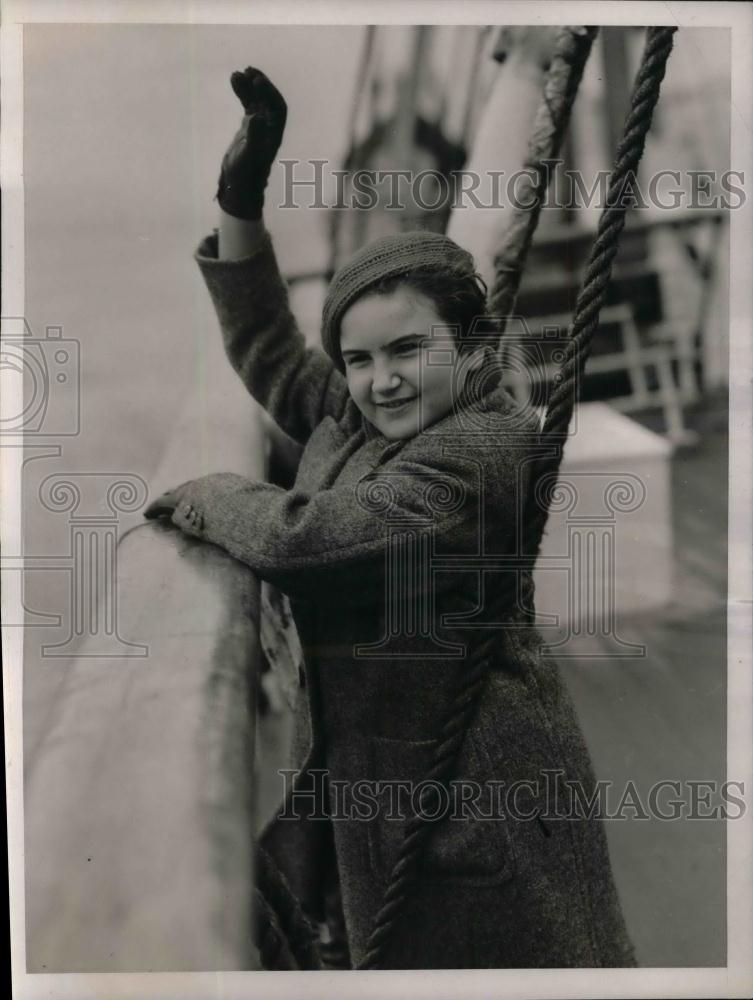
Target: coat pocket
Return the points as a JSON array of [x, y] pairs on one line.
[[470, 841]]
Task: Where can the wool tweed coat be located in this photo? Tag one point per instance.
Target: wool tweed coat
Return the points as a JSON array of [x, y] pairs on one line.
[[378, 546]]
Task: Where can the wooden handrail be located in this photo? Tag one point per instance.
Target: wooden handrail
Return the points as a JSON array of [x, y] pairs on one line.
[[139, 799]]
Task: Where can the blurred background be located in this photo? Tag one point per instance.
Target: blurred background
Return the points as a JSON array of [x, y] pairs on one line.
[[124, 130]]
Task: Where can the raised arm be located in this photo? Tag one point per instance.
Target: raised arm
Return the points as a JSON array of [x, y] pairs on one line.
[[295, 384], [239, 238], [247, 163]]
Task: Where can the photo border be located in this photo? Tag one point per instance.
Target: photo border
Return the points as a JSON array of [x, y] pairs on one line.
[[736, 978]]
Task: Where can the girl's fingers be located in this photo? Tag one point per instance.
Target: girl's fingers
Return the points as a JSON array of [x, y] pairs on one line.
[[256, 92], [239, 83], [244, 86], [165, 504], [159, 508]]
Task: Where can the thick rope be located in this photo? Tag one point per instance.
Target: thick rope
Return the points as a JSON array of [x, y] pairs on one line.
[[590, 299], [598, 271], [571, 50]]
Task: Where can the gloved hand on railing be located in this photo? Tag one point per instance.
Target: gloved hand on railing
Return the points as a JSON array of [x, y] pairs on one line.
[[170, 504], [249, 158], [189, 505]]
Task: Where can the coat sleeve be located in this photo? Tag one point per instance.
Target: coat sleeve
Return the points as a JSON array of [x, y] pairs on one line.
[[297, 385], [343, 538]]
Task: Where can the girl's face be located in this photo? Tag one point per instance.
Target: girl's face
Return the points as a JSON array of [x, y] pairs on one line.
[[398, 385]]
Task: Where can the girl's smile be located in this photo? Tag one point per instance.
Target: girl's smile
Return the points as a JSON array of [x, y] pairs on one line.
[[397, 404], [401, 361]]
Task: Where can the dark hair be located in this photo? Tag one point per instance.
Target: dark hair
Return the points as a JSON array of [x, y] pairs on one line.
[[458, 296]]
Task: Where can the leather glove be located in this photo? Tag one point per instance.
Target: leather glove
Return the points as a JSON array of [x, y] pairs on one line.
[[170, 503], [189, 505], [249, 158]]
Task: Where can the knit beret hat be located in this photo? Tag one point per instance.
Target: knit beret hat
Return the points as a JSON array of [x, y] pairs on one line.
[[386, 257]]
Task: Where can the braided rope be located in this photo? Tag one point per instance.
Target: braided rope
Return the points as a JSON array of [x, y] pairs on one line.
[[585, 320], [571, 51]]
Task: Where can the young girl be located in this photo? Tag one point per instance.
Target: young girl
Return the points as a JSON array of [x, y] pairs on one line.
[[414, 470]]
